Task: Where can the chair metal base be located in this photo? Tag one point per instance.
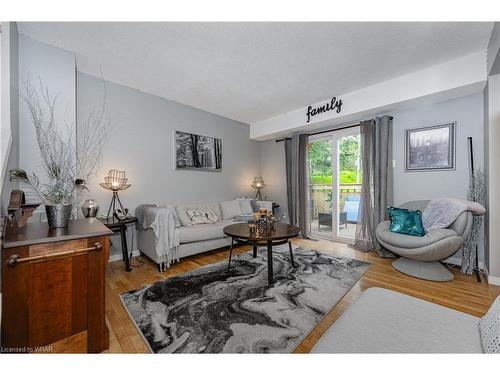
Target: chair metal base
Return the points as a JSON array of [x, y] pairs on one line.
[[433, 271]]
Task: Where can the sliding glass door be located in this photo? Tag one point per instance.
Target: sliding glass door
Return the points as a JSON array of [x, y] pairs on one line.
[[334, 183]]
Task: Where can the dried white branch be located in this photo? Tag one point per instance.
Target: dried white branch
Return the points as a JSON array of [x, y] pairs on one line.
[[66, 166]]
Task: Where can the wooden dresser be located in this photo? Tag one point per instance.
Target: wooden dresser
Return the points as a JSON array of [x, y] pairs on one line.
[[53, 288]]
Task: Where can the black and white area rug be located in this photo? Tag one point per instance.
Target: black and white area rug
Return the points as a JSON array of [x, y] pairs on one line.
[[211, 310]]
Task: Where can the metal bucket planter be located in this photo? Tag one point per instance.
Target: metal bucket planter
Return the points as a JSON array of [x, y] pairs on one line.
[[58, 215]]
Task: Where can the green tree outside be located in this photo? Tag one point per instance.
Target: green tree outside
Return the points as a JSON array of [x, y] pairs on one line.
[[320, 161]]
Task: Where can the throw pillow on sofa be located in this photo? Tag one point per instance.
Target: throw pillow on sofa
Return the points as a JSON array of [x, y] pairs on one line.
[[230, 209], [405, 221], [183, 217], [201, 217], [245, 206]]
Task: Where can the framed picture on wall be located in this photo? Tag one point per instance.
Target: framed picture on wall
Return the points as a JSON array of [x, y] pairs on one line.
[[430, 148], [200, 152]]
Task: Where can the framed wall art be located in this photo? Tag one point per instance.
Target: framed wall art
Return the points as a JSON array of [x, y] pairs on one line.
[[430, 148], [200, 152]]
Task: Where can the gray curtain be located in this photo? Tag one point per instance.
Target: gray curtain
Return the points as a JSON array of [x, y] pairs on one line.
[[376, 188], [297, 182]]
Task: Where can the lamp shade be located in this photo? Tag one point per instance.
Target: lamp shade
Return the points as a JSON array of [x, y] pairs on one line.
[[115, 180], [258, 183]]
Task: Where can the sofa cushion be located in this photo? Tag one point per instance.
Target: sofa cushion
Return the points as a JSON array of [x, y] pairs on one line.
[[203, 232], [245, 206], [255, 206], [244, 218], [489, 327], [410, 242], [183, 216], [230, 209]]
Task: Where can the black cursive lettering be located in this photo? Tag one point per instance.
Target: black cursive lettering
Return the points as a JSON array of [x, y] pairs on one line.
[[334, 104]]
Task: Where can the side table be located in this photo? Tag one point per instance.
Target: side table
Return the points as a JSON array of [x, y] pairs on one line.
[[120, 227]]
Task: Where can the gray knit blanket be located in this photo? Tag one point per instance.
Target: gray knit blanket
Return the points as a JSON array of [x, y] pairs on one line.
[[161, 220], [440, 213]]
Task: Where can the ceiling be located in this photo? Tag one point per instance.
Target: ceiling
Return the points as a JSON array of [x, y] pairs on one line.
[[253, 71]]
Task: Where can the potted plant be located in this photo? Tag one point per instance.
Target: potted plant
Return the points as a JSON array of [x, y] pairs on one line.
[[67, 164], [57, 195]]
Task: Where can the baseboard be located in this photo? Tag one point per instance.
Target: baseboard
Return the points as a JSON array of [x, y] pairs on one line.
[[493, 280], [115, 257], [458, 262]]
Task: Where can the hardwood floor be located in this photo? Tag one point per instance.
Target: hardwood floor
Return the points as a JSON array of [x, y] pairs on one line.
[[463, 293]]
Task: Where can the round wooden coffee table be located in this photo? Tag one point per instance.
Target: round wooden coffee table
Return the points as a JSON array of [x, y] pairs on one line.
[[281, 234]]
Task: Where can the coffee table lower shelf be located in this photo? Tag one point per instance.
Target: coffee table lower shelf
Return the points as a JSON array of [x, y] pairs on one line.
[[269, 245]]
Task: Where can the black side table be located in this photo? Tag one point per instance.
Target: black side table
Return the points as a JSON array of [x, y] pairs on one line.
[[120, 227]]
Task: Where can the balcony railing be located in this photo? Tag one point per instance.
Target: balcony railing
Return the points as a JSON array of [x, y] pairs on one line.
[[321, 197]]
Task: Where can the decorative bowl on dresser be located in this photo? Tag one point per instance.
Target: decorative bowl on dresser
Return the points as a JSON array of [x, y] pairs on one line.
[[53, 288]]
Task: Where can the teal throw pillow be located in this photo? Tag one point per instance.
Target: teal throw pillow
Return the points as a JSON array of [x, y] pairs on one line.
[[405, 221]]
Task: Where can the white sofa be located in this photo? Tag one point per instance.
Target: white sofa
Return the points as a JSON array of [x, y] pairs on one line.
[[196, 238], [384, 321]]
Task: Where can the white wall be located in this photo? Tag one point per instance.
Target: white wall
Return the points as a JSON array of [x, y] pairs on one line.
[[493, 161], [272, 167], [140, 142], [56, 68], [468, 114], [486, 168], [493, 47], [10, 109]]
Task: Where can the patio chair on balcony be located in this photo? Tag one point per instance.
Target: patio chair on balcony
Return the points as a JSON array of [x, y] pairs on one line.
[[325, 219]]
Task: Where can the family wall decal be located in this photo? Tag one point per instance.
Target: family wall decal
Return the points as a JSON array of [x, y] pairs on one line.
[[334, 104]]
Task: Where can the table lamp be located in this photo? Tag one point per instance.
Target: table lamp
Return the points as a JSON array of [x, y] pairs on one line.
[[115, 181], [258, 183]]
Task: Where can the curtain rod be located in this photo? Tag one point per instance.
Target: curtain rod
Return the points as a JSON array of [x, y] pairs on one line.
[[329, 130]]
